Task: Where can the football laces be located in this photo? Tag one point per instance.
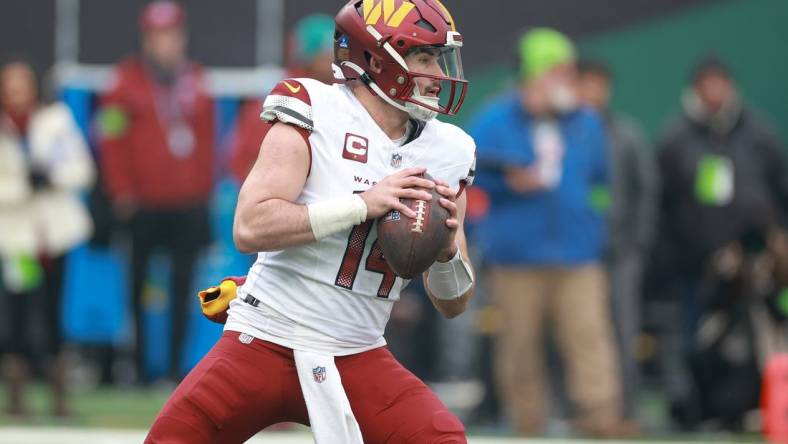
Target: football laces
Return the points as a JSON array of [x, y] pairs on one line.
[[418, 223]]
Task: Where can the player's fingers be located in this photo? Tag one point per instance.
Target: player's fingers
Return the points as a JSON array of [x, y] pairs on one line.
[[449, 205], [452, 223], [410, 172], [410, 193], [442, 183], [415, 181], [445, 192], [402, 208]]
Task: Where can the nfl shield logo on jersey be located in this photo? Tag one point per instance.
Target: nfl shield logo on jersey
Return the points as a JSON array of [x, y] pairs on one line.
[[396, 160], [319, 373]]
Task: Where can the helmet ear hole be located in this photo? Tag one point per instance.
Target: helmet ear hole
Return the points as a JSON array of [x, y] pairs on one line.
[[375, 65]]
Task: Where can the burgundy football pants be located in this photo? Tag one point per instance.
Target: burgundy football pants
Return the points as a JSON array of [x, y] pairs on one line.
[[239, 389]]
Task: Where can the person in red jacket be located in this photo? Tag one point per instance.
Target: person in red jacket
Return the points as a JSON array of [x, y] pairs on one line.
[[310, 52], [157, 132]]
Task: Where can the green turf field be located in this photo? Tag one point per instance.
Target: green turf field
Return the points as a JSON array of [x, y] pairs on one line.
[[71, 435], [106, 408], [120, 416]]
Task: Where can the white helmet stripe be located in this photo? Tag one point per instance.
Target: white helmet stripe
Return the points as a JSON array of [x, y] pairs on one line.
[[371, 29], [395, 55], [389, 49]]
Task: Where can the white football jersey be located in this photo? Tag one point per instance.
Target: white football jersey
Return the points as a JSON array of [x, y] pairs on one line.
[[335, 295]]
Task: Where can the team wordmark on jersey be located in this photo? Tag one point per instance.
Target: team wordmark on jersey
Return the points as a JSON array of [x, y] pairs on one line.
[[364, 181], [356, 148]]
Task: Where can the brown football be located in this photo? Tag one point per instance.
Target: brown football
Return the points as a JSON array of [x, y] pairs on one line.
[[410, 246]]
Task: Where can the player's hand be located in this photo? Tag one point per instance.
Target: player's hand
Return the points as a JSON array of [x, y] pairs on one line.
[[386, 194], [448, 201]]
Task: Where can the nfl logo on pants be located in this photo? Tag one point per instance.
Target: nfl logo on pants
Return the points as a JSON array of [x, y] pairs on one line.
[[319, 373]]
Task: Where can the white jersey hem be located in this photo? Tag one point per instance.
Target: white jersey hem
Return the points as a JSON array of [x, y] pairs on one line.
[[242, 327]]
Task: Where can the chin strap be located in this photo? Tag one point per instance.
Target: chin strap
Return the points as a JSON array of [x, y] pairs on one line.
[[420, 112]]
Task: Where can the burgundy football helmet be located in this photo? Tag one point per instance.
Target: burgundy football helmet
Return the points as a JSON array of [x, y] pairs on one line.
[[390, 30]]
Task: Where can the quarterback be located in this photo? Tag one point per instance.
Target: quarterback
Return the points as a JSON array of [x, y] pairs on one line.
[[303, 339]]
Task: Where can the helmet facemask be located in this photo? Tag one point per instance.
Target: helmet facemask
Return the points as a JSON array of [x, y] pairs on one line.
[[439, 71]]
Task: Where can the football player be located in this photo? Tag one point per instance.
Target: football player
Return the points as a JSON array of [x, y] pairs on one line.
[[303, 340]]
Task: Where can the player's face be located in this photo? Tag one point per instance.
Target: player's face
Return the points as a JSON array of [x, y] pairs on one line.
[[426, 61], [166, 47], [18, 90]]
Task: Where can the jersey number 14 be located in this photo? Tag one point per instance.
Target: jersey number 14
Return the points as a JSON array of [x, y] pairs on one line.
[[375, 263]]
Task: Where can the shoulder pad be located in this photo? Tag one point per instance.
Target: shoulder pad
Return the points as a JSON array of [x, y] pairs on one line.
[[289, 103]]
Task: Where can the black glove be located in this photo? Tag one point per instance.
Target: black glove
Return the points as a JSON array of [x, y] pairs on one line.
[[38, 177]]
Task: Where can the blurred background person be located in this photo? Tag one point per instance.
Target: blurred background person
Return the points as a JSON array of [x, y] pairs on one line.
[[540, 156], [742, 324], [720, 163], [631, 219], [157, 128], [44, 166], [310, 53]]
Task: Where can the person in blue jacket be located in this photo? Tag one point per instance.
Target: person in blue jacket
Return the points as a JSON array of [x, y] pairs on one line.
[[542, 160]]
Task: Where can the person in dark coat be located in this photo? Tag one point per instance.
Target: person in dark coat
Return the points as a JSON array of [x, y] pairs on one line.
[[719, 162]]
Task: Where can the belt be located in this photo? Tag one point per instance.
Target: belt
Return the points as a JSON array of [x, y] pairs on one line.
[[251, 300]]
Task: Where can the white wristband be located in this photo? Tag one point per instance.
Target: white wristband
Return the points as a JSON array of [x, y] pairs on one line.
[[333, 216], [450, 280]]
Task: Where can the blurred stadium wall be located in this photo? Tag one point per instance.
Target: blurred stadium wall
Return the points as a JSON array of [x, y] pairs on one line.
[[649, 44]]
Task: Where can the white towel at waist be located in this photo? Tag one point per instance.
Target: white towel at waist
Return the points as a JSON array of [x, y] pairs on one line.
[[330, 416]]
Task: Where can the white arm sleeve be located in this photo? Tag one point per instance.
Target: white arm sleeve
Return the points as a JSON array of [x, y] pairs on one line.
[[450, 280]]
